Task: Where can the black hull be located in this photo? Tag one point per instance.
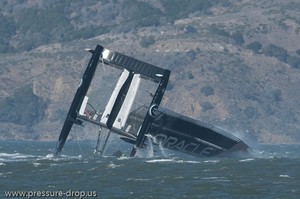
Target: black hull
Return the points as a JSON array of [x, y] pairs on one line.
[[186, 135], [183, 134]]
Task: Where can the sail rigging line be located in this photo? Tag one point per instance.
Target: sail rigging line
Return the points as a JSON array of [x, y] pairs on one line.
[[92, 107], [105, 143], [98, 141], [116, 149], [78, 142], [79, 146], [103, 66]]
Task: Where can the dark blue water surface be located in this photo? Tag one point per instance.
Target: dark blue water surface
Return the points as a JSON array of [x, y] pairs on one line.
[[30, 168]]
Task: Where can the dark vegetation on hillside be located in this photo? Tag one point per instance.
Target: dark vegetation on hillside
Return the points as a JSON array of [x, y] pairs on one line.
[[53, 22], [27, 28], [24, 107]]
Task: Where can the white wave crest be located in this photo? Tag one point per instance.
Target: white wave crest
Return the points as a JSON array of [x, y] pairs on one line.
[[9, 157], [173, 161]]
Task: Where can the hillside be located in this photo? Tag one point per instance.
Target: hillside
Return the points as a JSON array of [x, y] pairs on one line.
[[235, 64]]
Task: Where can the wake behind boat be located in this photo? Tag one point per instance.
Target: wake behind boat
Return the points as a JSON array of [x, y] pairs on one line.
[[134, 114]]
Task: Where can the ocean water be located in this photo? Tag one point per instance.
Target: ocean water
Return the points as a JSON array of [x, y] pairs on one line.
[[29, 170]]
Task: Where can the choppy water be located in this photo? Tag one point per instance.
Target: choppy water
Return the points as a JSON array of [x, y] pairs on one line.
[[30, 167]]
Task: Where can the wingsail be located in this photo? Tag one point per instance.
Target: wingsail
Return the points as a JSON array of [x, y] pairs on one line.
[[78, 99], [124, 116], [115, 114]]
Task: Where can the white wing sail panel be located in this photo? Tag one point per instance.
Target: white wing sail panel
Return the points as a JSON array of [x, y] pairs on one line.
[[83, 105], [113, 97], [128, 102]]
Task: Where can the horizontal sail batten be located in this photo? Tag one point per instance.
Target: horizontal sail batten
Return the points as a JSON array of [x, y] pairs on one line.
[[122, 61]]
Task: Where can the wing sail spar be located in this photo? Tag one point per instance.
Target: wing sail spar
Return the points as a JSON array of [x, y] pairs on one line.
[[78, 99]]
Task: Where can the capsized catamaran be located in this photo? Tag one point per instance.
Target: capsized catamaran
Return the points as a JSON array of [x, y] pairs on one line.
[[148, 121]]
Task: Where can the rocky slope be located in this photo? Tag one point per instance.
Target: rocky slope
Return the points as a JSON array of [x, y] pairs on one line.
[[235, 65]]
